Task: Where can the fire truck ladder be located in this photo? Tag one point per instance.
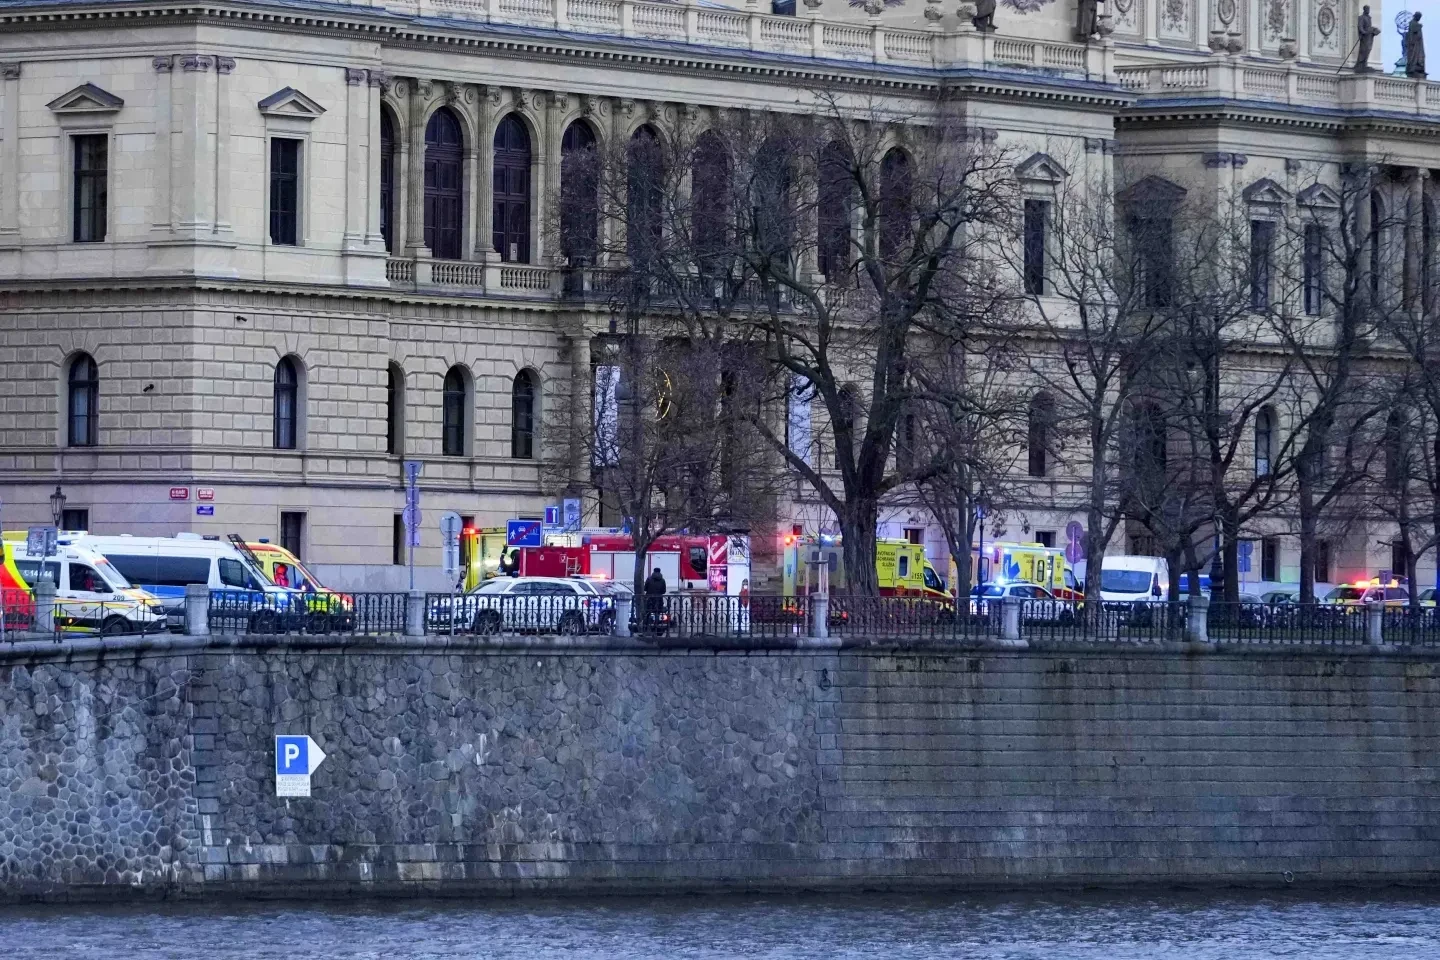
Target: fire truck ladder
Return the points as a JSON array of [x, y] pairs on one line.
[[239, 543]]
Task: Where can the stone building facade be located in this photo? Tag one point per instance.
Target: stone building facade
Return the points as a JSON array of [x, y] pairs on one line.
[[285, 274]]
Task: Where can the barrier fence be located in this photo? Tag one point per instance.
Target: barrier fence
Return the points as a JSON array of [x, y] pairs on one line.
[[24, 615]]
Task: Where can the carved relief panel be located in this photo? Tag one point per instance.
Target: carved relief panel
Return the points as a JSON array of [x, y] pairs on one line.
[[1329, 28], [1176, 19]]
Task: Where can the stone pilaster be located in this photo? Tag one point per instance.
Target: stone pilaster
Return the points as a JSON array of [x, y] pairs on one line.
[[414, 244], [9, 153]]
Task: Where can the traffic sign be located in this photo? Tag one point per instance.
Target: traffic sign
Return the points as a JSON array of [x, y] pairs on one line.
[[552, 516], [412, 517], [523, 533], [40, 541], [205, 510], [412, 472], [296, 758], [450, 527], [572, 513]]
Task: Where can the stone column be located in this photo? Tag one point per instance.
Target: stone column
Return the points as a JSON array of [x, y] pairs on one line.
[[414, 239], [1197, 624], [415, 614], [197, 610], [400, 190], [10, 155], [373, 239], [1010, 618], [193, 165], [549, 199], [160, 222], [1375, 622], [45, 608], [485, 192], [358, 189], [1415, 242], [224, 66]]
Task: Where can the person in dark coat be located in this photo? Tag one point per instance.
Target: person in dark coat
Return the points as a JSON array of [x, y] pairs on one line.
[[654, 597]]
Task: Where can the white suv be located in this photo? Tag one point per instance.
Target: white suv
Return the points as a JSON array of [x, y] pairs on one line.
[[528, 605]]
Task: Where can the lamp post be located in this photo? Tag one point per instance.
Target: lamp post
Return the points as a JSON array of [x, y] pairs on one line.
[[57, 506], [980, 554]]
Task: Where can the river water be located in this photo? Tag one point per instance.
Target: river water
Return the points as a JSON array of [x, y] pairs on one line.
[[1017, 927]]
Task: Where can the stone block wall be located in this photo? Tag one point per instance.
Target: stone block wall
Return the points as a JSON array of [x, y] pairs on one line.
[[483, 770]]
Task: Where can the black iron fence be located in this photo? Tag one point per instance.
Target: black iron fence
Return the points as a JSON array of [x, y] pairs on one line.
[[1413, 625], [253, 612], [27, 615], [1286, 623], [921, 618], [487, 614]]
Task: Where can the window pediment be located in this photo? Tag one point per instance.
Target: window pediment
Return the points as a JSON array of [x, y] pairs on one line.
[[1041, 167], [290, 103], [1266, 191], [1318, 195], [86, 99]]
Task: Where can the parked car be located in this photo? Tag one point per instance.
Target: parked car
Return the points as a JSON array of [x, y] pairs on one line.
[[527, 605], [1038, 603], [1427, 597]]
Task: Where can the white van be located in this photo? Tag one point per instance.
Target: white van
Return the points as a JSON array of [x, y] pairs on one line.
[[165, 566], [1129, 579], [91, 596]]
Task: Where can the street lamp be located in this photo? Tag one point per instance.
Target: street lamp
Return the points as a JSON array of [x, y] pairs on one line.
[[57, 506], [980, 554]]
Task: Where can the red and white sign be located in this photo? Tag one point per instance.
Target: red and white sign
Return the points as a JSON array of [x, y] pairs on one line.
[[204, 493], [179, 493]]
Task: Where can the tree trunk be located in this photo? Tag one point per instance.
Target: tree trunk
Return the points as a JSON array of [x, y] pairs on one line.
[[1308, 526], [857, 531], [1230, 558]]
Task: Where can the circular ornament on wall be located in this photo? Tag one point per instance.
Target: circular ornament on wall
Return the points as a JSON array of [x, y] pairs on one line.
[[1225, 10], [1325, 20]]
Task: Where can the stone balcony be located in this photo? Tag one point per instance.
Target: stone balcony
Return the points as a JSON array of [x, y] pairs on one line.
[[1287, 83], [806, 35]]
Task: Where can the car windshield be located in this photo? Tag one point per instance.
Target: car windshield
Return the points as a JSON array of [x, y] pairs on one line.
[[1125, 581], [1344, 594], [109, 572]]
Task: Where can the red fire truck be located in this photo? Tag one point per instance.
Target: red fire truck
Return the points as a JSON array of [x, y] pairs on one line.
[[691, 563]]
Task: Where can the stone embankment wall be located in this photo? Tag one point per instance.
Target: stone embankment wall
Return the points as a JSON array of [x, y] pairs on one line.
[[474, 770]]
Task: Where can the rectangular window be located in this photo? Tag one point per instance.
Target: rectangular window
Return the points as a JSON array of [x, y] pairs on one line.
[[292, 533], [1397, 559], [1314, 267], [75, 519], [1322, 561], [1037, 213], [1046, 538], [92, 158], [284, 191], [1270, 559], [1152, 240], [397, 540], [1262, 245], [914, 535]]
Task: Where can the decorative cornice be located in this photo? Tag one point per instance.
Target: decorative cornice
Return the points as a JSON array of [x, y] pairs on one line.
[[196, 63], [355, 76], [165, 64], [224, 65]]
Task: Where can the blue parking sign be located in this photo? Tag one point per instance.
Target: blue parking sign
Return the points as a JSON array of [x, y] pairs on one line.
[[523, 533], [292, 756]]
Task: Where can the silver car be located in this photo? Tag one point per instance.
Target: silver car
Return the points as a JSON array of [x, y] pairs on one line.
[[526, 605]]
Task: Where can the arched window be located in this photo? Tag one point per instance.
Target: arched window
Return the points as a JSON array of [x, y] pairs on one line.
[[579, 194], [444, 193], [522, 416], [84, 402], [771, 200], [455, 407], [896, 203], [394, 408], [287, 404], [836, 200], [1039, 437], [645, 192], [710, 198], [1377, 240], [387, 179], [511, 209], [1264, 442]]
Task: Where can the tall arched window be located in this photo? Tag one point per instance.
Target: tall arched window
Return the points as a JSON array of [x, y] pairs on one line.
[[645, 190], [1264, 442], [287, 404], [836, 200], [522, 416], [1377, 240], [444, 193], [394, 408], [455, 407], [511, 209], [83, 382], [896, 203], [1039, 436], [771, 200], [710, 199], [387, 179], [579, 194]]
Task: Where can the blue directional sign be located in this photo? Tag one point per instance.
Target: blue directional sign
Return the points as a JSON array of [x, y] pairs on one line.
[[523, 533], [1245, 549], [552, 516]]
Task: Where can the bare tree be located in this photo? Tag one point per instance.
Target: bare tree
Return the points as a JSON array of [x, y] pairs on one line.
[[848, 247]]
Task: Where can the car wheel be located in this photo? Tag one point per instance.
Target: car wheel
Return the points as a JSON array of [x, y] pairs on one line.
[[487, 623], [318, 623], [115, 626], [572, 624], [1066, 617], [264, 622], [607, 621]]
